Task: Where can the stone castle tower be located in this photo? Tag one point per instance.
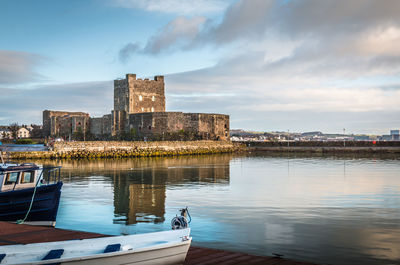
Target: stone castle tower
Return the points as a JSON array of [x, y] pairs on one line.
[[136, 95], [133, 96]]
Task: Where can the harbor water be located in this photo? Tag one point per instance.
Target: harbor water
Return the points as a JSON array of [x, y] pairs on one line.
[[322, 209]]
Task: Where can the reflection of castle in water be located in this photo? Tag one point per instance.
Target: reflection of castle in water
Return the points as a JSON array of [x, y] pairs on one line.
[[140, 184], [140, 193], [139, 196]]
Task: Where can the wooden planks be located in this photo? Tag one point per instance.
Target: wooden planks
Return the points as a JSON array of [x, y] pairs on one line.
[[206, 256], [11, 234]]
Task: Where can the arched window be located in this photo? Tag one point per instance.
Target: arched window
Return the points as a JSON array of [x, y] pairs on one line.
[[140, 98], [153, 98]]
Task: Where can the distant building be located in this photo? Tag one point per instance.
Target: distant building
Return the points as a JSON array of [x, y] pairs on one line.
[[361, 138], [395, 134], [385, 138], [139, 111], [5, 133], [23, 133]]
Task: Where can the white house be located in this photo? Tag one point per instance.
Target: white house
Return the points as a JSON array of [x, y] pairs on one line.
[[23, 133], [5, 134]]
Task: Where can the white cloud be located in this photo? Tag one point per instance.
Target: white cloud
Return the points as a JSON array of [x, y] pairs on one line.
[[381, 41], [18, 67], [181, 29], [179, 32]]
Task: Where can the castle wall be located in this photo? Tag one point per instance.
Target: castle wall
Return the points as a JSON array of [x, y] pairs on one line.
[[107, 123], [118, 121], [101, 126], [63, 123], [206, 126], [96, 126]]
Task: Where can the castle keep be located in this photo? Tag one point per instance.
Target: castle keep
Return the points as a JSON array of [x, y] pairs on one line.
[[139, 113]]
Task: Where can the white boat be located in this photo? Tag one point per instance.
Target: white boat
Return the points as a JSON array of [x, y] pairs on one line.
[[169, 247]]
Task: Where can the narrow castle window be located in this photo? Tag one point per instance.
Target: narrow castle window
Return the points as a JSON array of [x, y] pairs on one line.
[[140, 98], [142, 109], [152, 109], [153, 98], [149, 127]]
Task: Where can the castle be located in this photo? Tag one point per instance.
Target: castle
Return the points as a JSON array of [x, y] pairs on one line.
[[139, 113]]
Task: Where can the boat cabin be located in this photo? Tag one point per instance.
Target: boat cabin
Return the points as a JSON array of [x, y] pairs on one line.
[[19, 176]]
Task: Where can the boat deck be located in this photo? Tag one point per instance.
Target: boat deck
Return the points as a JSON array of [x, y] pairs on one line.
[[11, 234]]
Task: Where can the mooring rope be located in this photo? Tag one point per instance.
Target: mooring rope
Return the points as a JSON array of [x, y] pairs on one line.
[[21, 221]]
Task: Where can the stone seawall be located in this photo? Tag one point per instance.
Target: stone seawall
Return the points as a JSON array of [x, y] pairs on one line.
[[116, 149], [309, 149]]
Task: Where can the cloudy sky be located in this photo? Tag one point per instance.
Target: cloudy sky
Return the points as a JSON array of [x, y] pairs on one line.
[[272, 65]]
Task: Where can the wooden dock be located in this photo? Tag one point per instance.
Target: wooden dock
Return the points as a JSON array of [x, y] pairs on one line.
[[11, 234]]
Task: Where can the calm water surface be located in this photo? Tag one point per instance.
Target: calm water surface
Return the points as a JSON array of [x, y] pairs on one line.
[[335, 210]]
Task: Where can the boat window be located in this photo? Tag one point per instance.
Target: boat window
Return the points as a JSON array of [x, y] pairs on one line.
[[11, 178], [27, 177]]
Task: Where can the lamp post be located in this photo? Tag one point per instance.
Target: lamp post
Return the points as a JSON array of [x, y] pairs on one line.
[[344, 137]]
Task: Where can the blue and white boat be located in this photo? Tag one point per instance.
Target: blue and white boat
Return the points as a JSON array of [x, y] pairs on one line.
[[29, 193], [158, 248], [162, 248]]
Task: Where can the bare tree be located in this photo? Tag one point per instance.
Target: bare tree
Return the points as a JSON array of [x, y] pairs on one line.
[[14, 127]]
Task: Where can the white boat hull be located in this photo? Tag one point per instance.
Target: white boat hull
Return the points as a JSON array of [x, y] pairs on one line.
[[169, 255], [169, 247], [41, 223]]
